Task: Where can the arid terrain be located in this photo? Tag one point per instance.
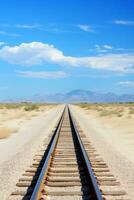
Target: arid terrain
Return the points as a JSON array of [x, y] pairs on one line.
[[12, 116], [118, 119], [110, 127], [23, 127]]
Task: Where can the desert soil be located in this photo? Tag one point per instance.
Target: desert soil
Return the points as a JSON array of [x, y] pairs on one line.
[[20, 145], [113, 138]]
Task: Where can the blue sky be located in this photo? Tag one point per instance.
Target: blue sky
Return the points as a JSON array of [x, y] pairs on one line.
[[57, 46]]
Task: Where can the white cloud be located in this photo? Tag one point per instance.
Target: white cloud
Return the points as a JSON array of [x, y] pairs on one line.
[[85, 27], [27, 26], [37, 53], [34, 53], [103, 48], [52, 28], [2, 43], [97, 47], [9, 34], [124, 22], [43, 74], [106, 46], [127, 83]]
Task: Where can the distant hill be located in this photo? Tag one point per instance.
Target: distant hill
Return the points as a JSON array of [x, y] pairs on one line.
[[76, 96]]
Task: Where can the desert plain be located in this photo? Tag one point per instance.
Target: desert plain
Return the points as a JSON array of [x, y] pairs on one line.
[[110, 128], [23, 127]]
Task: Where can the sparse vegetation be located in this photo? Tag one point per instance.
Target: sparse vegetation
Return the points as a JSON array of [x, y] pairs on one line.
[[109, 109], [31, 107], [27, 106], [13, 114], [109, 112], [131, 111], [119, 115]]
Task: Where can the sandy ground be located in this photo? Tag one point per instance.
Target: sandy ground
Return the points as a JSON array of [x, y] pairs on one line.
[[11, 119], [18, 149], [113, 137]]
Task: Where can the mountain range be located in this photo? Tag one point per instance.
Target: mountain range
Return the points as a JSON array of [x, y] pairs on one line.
[[76, 96]]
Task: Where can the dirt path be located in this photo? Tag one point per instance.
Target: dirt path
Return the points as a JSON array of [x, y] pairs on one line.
[[110, 145]]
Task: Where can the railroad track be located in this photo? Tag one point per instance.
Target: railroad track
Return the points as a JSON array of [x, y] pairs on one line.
[[69, 168]]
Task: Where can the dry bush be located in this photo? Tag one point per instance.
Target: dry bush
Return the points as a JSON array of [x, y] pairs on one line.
[[116, 112], [106, 109], [31, 107], [119, 115], [131, 110]]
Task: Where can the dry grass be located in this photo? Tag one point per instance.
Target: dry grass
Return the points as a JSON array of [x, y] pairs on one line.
[[27, 106], [6, 132], [131, 110], [31, 107], [107, 113], [110, 109]]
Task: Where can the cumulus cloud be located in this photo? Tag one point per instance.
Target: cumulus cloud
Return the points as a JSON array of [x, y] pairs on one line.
[[34, 53], [37, 53], [124, 22], [43, 74], [126, 83], [85, 27]]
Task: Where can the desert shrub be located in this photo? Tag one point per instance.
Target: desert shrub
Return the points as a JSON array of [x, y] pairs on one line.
[[11, 106], [131, 111], [108, 112], [119, 115], [104, 113], [1, 106], [31, 107]]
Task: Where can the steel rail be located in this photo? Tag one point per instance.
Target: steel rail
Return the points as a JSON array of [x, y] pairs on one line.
[[39, 183], [98, 194]]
